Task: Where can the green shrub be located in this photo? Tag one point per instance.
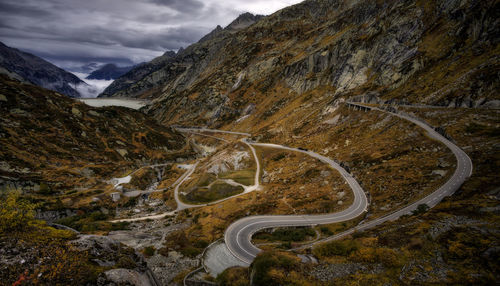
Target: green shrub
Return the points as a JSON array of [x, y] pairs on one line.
[[266, 261], [149, 251], [325, 230], [422, 208], [278, 157], [125, 262], [383, 255], [340, 248], [95, 216], [201, 244], [287, 234], [235, 276], [130, 203], [15, 213], [45, 189], [191, 251], [123, 225]]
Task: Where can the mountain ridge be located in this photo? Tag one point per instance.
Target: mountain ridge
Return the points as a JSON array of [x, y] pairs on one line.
[[345, 49], [35, 70], [147, 81], [109, 72]]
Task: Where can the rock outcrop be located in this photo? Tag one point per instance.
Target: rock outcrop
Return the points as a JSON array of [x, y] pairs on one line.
[[49, 140], [149, 80], [345, 48], [32, 69], [438, 53]]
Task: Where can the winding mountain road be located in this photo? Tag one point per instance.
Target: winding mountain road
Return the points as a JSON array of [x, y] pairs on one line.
[[462, 172], [189, 171], [239, 234]]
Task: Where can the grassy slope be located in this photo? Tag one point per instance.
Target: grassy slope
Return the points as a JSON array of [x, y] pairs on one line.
[[71, 148]]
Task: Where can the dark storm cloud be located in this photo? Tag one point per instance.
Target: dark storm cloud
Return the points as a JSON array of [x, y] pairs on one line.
[[74, 32], [185, 6], [18, 8]]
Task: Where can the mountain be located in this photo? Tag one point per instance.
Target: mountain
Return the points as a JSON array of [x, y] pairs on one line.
[[88, 68], [395, 50], [350, 110], [57, 140], [35, 70], [148, 80], [109, 72], [133, 81], [243, 21]]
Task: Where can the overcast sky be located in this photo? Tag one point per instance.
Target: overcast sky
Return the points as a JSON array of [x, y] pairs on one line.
[[70, 33]]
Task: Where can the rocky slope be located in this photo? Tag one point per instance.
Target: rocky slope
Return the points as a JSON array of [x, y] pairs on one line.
[[443, 53], [454, 243], [29, 68], [33, 253], [132, 83], [150, 79], [109, 72], [284, 79], [52, 144]]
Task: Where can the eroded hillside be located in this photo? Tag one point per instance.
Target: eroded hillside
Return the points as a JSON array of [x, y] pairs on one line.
[[443, 53], [285, 79], [54, 145]]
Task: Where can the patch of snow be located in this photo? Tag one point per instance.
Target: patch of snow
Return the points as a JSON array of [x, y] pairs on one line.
[[118, 181], [185, 166], [238, 82]]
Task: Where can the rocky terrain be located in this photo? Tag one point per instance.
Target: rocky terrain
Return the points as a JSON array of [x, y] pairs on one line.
[[150, 79], [52, 144], [32, 69], [109, 72], [455, 242], [411, 51], [31, 252], [112, 173]]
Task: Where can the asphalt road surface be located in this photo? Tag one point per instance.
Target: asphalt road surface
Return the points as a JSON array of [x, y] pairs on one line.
[[239, 234], [462, 172]]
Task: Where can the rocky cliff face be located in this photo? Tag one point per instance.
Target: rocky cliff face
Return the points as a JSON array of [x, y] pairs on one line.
[[141, 79], [443, 53], [109, 72], [32, 69], [431, 52], [177, 70]]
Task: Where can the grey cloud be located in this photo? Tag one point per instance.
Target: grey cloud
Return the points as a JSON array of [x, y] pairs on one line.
[[18, 9], [119, 31], [181, 5]]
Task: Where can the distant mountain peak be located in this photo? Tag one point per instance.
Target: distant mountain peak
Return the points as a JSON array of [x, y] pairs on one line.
[[244, 20], [170, 53], [109, 72]]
